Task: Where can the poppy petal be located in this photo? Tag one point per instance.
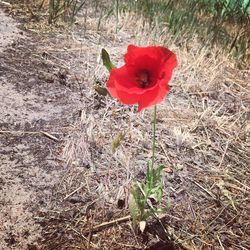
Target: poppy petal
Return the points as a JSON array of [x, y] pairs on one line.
[[170, 62], [111, 85], [152, 97], [116, 86], [157, 53], [144, 77], [122, 79], [127, 98]]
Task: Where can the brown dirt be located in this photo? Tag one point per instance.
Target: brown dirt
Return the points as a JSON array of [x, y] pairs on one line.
[[58, 185], [34, 98]]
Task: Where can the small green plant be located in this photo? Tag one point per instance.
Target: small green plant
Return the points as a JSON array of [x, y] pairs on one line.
[[145, 198]]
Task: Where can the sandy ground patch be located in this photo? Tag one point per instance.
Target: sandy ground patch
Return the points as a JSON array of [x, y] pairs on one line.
[[8, 30], [29, 167]]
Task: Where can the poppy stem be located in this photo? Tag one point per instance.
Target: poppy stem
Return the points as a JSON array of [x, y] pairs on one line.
[[154, 139]]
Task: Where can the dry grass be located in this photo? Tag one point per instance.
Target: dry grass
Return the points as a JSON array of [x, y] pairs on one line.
[[201, 139]]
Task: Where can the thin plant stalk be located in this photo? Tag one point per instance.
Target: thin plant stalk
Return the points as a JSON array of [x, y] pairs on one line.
[[154, 138]]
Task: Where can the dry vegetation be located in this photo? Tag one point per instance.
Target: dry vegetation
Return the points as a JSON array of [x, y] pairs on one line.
[[202, 140]]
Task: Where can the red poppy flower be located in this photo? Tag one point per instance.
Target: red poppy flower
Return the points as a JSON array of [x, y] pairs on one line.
[[144, 77]]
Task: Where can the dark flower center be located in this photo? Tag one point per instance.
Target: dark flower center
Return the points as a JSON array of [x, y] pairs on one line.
[[143, 78]]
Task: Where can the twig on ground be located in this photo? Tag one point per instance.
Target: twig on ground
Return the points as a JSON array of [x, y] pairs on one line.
[[91, 243], [5, 3], [50, 136], [242, 184], [204, 189], [222, 247], [109, 223], [128, 246], [18, 132], [219, 214], [26, 132], [73, 192], [224, 153]]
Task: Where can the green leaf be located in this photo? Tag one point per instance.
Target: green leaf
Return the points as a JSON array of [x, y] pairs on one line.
[[106, 60], [157, 191], [158, 172], [246, 6]]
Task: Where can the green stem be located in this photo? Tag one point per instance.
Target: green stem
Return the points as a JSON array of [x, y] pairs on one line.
[[154, 139]]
